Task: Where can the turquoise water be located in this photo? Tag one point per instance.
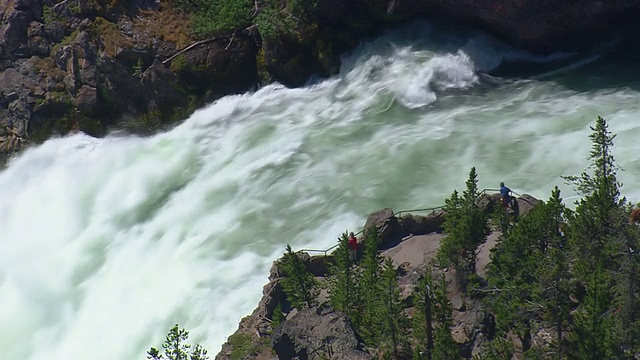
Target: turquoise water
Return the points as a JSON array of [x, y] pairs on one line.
[[106, 243]]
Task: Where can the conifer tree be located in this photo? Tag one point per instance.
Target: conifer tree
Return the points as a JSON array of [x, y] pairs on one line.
[[342, 294], [368, 287], [176, 347], [554, 273], [530, 271], [597, 222], [423, 318], [466, 228], [592, 335], [627, 294], [596, 233], [603, 180], [299, 285], [445, 348], [502, 219], [393, 320]]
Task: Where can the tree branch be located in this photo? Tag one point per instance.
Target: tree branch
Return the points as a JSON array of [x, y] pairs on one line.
[[233, 36], [197, 43]]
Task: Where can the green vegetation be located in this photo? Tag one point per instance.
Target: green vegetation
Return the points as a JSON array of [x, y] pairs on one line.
[[210, 17], [244, 346], [596, 233], [278, 316], [571, 271], [273, 19], [445, 348], [176, 348], [368, 283], [570, 275], [466, 226], [423, 318], [392, 320], [342, 295], [433, 308], [111, 38], [299, 285], [218, 17]]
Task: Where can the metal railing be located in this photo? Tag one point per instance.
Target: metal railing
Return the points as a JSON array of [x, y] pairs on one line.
[[397, 213], [325, 251]]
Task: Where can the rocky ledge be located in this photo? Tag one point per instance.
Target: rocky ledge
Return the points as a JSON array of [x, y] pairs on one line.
[[411, 241], [86, 65]]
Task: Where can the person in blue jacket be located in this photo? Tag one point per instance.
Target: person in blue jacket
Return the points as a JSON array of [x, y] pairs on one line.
[[505, 195]]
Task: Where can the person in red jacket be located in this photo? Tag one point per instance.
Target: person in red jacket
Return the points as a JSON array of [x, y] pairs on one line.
[[353, 247]]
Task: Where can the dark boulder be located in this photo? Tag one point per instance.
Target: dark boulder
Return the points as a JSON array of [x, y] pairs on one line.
[[526, 202], [409, 224], [385, 223], [319, 265], [17, 16], [219, 67]]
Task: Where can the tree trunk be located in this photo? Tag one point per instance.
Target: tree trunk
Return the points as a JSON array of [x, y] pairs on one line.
[[428, 320]]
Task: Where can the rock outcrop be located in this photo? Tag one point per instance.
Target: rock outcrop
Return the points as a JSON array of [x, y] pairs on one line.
[[322, 333], [86, 66], [316, 334]]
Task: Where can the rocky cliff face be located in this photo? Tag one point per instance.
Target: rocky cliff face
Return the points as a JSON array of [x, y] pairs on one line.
[[80, 66], [411, 241], [83, 65]]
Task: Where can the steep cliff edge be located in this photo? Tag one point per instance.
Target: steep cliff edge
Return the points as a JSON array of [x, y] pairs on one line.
[[320, 332]]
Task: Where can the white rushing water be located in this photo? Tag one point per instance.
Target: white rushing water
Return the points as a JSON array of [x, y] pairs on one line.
[[106, 243]]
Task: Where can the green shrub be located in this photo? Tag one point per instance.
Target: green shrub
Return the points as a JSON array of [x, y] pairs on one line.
[[244, 346], [211, 17], [278, 316]]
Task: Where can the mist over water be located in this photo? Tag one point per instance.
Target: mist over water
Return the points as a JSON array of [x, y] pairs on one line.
[[107, 243]]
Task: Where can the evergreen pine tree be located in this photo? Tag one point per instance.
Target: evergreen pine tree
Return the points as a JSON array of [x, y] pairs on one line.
[[596, 226], [603, 180], [423, 317], [466, 227], [176, 347], [592, 335], [299, 285], [393, 319], [502, 219], [342, 294], [529, 269], [596, 233], [198, 353], [627, 294], [445, 348], [553, 273], [368, 287]]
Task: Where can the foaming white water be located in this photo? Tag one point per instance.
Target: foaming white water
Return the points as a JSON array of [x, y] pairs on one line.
[[106, 243]]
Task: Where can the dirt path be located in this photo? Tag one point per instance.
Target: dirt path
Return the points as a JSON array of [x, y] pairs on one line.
[[421, 248]]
